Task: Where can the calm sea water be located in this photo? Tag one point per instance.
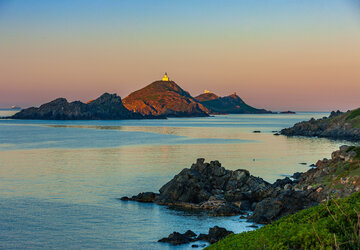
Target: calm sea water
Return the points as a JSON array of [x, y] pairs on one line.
[[60, 180]]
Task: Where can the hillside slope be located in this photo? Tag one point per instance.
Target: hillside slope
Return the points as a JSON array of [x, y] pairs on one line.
[[231, 104], [331, 225], [345, 126], [164, 98]]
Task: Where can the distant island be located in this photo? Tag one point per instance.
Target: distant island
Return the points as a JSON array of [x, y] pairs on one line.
[[288, 112], [231, 104], [106, 107], [158, 100]]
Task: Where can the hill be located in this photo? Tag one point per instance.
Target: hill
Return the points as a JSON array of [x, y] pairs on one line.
[[231, 104], [106, 107], [345, 126], [164, 98]]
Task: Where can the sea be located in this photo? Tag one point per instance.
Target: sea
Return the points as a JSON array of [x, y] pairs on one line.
[[60, 181]]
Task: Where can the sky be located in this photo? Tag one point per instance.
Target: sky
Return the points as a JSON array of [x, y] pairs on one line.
[[276, 54]]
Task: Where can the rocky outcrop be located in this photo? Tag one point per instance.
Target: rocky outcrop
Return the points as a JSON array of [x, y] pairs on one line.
[[231, 104], [210, 187], [106, 107], [214, 235], [164, 98], [344, 126]]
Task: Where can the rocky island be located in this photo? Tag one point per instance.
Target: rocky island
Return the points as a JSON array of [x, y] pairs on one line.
[[344, 126], [106, 107], [164, 98], [231, 104]]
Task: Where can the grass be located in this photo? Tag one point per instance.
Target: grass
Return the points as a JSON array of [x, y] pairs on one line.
[[355, 113], [331, 225]]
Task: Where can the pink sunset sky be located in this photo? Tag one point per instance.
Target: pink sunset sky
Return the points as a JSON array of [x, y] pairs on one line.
[[277, 54]]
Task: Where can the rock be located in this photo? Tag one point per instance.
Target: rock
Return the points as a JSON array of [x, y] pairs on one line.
[[209, 186], [253, 226], [338, 126], [296, 175], [141, 197], [177, 239], [226, 210], [280, 204], [303, 163], [215, 234], [190, 233], [277, 134], [282, 182], [256, 131]]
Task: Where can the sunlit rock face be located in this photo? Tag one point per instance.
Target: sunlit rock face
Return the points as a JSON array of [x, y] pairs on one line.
[[164, 98]]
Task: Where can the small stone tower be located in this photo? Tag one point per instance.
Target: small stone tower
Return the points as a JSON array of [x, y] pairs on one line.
[[166, 78]]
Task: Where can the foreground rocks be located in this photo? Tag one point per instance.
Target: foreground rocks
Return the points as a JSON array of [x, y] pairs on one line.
[[210, 187], [215, 234], [220, 192]]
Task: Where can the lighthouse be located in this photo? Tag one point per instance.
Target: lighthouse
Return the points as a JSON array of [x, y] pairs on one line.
[[165, 78]]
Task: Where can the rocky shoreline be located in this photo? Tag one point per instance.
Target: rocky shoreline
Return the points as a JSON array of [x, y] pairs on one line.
[[211, 188], [338, 126]]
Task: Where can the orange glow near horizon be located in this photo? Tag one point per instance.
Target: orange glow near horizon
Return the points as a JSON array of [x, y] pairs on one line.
[[281, 61]]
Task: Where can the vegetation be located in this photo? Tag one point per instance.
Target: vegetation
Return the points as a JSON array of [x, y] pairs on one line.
[[332, 225]]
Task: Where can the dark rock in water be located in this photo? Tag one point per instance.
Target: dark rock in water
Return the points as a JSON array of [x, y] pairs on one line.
[[125, 198], [177, 238], [215, 234], [256, 131], [303, 163], [296, 175], [253, 226], [313, 166], [288, 112], [190, 233], [282, 182], [277, 134], [142, 197], [209, 186], [106, 107]]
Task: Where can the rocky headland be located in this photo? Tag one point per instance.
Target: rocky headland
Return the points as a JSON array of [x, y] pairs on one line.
[[344, 126], [211, 188], [106, 107], [231, 104]]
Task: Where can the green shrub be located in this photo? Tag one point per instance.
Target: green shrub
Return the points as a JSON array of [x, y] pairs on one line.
[[331, 225]]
